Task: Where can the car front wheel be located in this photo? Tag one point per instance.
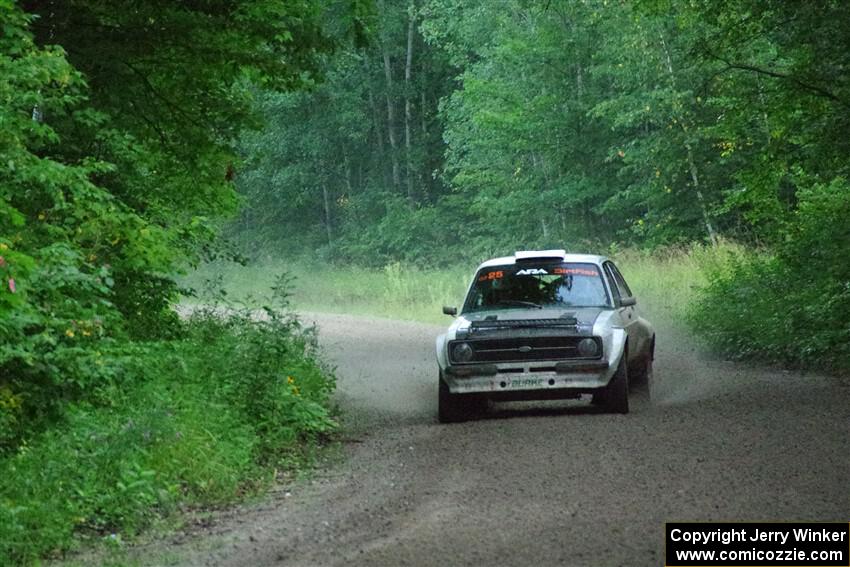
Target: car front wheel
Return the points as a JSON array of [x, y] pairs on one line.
[[452, 408], [617, 392], [641, 379], [641, 376]]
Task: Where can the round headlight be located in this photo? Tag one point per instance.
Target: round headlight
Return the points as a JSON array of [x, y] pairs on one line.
[[588, 347], [462, 352]]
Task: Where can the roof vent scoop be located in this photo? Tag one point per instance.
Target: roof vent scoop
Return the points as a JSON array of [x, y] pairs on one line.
[[525, 255]]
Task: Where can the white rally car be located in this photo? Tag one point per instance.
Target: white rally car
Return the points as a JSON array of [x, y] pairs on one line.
[[544, 325]]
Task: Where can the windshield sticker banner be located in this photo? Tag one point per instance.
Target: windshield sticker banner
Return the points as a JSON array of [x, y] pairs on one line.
[[575, 272], [560, 271], [491, 276]]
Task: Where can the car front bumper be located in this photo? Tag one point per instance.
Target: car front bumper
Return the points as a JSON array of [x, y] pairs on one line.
[[530, 377]]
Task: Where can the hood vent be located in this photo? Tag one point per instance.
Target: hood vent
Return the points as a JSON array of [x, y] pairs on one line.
[[565, 320]]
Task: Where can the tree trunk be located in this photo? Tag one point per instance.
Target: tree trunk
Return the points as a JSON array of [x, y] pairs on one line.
[[709, 227], [347, 164], [692, 166], [327, 212], [424, 183], [422, 113], [411, 18], [763, 104], [388, 75], [379, 136], [579, 81]]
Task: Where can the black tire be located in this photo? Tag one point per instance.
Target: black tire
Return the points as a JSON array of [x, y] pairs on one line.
[[617, 391], [452, 408], [640, 381], [640, 378]]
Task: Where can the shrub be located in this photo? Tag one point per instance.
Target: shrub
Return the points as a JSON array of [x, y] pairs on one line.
[[194, 421], [787, 305]]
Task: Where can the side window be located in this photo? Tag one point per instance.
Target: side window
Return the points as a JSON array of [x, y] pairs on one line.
[[612, 281], [622, 286]]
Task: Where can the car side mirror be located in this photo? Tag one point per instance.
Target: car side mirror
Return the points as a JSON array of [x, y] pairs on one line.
[[450, 311], [628, 302]]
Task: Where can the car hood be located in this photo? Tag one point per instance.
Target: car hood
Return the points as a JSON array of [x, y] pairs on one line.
[[585, 317]]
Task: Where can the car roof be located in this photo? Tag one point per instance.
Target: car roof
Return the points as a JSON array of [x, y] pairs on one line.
[[544, 255]]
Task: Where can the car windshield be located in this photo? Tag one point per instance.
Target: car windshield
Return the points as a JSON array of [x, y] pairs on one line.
[[535, 286]]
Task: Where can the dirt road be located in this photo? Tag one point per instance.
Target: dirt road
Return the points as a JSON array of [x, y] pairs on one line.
[[542, 484]]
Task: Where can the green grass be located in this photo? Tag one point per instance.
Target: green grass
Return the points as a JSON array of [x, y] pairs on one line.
[[396, 291], [665, 282]]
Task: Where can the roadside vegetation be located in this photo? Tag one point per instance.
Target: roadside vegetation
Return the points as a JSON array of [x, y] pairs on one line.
[[375, 150], [118, 126], [786, 303], [205, 419]]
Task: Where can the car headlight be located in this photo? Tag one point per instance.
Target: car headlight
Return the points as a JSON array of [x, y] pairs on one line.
[[462, 352], [588, 347]]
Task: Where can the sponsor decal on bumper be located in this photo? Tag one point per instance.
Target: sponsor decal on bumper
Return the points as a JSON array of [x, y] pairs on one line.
[[505, 382]]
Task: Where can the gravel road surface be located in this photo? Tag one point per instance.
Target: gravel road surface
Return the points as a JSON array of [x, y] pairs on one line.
[[553, 483]]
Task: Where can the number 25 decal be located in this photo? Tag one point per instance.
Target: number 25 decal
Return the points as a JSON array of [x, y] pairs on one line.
[[491, 276]]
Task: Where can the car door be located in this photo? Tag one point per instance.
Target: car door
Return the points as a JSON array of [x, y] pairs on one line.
[[636, 327]]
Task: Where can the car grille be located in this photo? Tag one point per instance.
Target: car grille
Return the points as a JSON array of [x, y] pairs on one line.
[[521, 349]]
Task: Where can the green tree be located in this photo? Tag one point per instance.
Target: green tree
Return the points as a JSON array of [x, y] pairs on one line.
[[334, 161], [119, 124]]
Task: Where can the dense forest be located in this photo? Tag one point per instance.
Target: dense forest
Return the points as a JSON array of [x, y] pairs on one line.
[[472, 128], [491, 125], [133, 134]]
